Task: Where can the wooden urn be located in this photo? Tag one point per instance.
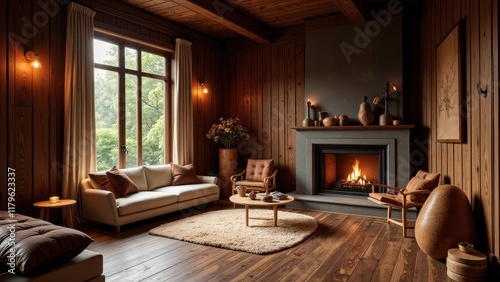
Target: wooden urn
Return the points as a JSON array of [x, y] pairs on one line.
[[445, 220]]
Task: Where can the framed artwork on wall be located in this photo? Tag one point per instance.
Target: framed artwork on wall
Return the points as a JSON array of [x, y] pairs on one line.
[[449, 87]]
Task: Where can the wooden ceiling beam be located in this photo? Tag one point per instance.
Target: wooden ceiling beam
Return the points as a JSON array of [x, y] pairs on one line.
[[230, 17], [354, 10]]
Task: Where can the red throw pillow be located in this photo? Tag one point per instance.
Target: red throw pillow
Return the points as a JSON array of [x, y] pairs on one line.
[[121, 182], [184, 174]]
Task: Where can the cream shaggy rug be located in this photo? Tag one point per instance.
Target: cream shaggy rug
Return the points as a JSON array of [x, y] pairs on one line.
[[227, 229]]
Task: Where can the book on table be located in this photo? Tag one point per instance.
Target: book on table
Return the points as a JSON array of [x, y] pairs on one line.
[[279, 195]]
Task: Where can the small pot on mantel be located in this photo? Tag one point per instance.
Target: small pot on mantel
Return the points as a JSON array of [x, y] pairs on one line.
[[330, 121], [385, 119], [343, 120]]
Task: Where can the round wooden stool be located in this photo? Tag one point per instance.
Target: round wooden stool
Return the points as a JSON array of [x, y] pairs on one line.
[[462, 266]]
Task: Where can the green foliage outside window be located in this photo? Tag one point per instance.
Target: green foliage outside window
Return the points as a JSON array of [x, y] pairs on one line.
[[151, 102]]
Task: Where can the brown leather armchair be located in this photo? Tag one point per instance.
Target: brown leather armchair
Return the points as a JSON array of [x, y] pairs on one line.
[[259, 175], [414, 195]]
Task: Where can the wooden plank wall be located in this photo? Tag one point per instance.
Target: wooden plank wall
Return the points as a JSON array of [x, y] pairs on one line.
[[265, 89], [472, 164], [31, 105], [207, 107]]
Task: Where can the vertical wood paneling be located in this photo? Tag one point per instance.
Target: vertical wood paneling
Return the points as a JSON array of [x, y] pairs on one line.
[[475, 110], [4, 95], [496, 124], [275, 106], [41, 116], [281, 115], [472, 164], [206, 109], [275, 76], [22, 118], [466, 148], [267, 110], [32, 109], [486, 128], [291, 111]]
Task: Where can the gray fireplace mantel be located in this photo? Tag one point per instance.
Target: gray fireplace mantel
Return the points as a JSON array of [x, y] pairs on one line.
[[396, 138]]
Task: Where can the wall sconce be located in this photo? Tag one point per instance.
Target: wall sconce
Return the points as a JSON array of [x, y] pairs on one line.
[[33, 59], [385, 119], [204, 87]]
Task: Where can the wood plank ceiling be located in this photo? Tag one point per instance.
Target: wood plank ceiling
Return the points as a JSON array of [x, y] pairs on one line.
[[254, 19]]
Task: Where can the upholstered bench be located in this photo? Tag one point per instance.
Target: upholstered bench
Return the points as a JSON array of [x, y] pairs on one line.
[[32, 249]]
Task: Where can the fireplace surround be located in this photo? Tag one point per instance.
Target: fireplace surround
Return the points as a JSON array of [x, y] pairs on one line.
[[395, 141]]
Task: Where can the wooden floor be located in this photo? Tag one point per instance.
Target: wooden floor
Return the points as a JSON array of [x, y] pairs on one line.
[[343, 248]]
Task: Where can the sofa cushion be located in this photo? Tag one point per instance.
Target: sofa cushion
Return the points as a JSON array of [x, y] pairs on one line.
[[257, 170], [38, 244], [121, 182], [189, 191], [184, 174], [136, 174], [158, 175], [143, 201]]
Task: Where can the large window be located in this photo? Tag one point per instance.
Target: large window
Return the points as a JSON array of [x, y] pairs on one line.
[[130, 97]]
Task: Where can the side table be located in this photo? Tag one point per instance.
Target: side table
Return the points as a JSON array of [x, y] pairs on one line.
[[62, 203]]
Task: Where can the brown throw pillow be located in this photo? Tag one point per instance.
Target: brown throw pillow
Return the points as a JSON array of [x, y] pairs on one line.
[[429, 176], [416, 184], [40, 245], [184, 174], [121, 182], [102, 179]]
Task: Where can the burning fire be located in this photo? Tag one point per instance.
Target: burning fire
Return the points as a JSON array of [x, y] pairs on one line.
[[356, 177]]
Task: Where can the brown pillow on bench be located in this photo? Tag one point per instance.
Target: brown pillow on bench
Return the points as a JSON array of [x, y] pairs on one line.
[[38, 244]]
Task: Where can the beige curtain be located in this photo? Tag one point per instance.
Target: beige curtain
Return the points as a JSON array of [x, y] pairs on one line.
[[183, 148], [79, 152]]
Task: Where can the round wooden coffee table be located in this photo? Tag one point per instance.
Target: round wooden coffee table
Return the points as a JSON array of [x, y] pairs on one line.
[[62, 203], [247, 202]]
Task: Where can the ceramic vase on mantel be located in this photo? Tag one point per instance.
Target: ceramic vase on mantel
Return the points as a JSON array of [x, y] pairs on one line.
[[228, 164]]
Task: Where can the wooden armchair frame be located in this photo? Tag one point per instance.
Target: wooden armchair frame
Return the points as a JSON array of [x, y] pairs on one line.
[[404, 206], [269, 182]]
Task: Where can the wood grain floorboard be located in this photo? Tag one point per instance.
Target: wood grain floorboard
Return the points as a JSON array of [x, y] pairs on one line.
[[343, 248]]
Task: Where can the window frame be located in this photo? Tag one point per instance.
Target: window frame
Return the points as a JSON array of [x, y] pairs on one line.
[[123, 42]]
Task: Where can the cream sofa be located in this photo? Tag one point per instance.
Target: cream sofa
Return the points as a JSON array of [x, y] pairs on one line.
[[156, 196]]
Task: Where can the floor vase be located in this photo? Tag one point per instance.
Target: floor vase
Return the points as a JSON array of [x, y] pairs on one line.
[[228, 164]]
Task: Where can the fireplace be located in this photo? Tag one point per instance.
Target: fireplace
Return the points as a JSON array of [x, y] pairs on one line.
[[389, 144], [318, 147], [349, 169]]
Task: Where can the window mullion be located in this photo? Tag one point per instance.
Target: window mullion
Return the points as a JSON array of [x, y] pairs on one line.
[[122, 160], [139, 107]]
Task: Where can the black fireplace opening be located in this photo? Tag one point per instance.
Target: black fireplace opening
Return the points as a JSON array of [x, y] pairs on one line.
[[349, 169]]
